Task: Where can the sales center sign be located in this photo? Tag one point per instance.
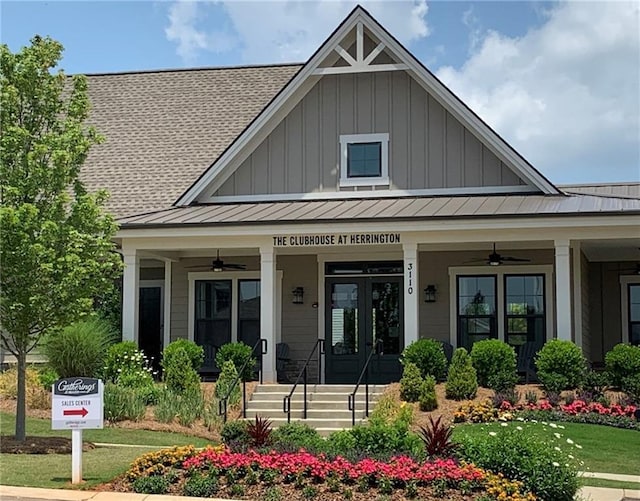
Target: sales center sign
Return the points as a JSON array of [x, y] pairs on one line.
[[77, 403]]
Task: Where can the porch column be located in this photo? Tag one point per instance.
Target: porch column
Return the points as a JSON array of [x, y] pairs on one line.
[[411, 292], [167, 304], [576, 257], [130, 294], [563, 289], [268, 312]]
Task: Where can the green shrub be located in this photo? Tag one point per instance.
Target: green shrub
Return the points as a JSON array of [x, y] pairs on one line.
[[428, 355], [495, 364], [560, 364], [166, 408], [295, 436], [79, 349], [461, 380], [622, 361], [155, 484], [631, 386], [518, 455], [195, 352], [47, 376], [177, 372], [238, 353], [202, 486], [190, 407], [234, 432], [428, 400], [411, 383], [384, 441], [225, 380], [125, 360], [121, 403]]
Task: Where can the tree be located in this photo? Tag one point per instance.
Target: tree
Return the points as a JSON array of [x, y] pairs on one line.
[[56, 252]]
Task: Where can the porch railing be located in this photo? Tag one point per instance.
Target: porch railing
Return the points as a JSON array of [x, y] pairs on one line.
[[376, 348], [286, 401], [223, 403]]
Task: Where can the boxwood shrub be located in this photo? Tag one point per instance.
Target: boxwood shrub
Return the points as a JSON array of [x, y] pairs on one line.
[[495, 362], [622, 361], [429, 357], [561, 365]]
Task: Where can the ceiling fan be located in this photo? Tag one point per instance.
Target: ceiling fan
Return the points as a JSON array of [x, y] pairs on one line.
[[219, 265], [495, 259]]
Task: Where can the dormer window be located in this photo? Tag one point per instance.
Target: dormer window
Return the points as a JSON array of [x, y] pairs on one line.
[[364, 160]]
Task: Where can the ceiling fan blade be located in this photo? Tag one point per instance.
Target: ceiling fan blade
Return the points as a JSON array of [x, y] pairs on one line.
[[480, 260], [509, 258], [233, 266], [198, 266]]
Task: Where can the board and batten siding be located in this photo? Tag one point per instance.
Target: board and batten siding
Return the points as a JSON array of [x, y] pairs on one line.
[[428, 147]]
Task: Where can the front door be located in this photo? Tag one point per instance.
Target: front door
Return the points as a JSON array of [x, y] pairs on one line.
[[150, 323], [360, 311]]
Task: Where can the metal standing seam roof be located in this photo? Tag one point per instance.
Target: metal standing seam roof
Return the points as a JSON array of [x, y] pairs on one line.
[[385, 209]]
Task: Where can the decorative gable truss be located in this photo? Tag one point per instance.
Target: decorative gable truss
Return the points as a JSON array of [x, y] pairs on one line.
[[361, 58], [359, 45]]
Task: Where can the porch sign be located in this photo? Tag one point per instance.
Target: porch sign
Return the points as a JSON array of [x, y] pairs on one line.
[[336, 239], [77, 404]]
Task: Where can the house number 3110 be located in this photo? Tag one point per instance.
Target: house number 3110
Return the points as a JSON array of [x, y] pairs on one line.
[[410, 278]]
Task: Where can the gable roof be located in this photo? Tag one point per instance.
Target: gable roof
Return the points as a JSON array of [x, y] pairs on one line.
[[303, 81], [164, 128], [608, 190]]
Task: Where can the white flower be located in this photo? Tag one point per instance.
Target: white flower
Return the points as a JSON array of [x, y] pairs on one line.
[[544, 423], [569, 441], [520, 419], [519, 428], [504, 424], [570, 456], [534, 420], [556, 449], [557, 435], [553, 425], [555, 463], [578, 446], [492, 433], [561, 427]]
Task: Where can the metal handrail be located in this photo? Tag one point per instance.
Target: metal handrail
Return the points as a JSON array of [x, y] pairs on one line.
[[222, 404], [364, 373], [286, 401]]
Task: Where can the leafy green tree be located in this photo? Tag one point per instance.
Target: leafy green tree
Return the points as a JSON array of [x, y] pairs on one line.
[[57, 252]]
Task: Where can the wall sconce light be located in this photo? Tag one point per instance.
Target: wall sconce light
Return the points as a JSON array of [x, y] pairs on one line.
[[430, 294], [298, 295]]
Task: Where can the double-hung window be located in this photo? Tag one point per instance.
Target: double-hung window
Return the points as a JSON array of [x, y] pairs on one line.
[[476, 309], [364, 160], [524, 310], [634, 313]]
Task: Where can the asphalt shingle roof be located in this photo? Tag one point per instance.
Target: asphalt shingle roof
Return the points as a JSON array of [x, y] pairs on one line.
[[163, 129]]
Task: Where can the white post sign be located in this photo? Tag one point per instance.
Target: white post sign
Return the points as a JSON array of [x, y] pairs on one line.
[[76, 404]]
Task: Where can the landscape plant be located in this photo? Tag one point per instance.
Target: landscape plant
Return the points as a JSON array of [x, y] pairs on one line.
[[428, 400], [436, 437], [239, 354], [123, 403], [57, 252], [560, 365], [621, 362], [127, 366], [495, 364], [411, 383], [461, 380], [178, 373], [428, 355], [226, 379], [79, 349], [195, 352]]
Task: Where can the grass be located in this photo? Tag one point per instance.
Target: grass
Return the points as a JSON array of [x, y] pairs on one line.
[[604, 449], [106, 435], [615, 484], [100, 465]]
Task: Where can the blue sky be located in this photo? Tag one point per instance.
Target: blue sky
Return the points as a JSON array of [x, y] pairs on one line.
[[558, 80]]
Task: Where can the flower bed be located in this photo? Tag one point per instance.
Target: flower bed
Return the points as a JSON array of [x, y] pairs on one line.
[[301, 475], [577, 411]]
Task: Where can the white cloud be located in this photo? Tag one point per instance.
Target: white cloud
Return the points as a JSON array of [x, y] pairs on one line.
[[290, 30], [566, 95]]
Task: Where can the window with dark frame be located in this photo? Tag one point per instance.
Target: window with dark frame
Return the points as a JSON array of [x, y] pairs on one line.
[[524, 306], [476, 305], [364, 159], [633, 294]]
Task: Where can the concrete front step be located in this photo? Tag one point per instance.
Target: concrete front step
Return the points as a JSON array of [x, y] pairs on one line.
[[320, 388], [311, 413], [324, 426], [315, 404]]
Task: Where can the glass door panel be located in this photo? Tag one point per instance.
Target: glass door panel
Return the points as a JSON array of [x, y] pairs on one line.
[[249, 314], [212, 319]]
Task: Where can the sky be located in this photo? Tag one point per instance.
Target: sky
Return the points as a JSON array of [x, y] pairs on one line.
[[560, 81]]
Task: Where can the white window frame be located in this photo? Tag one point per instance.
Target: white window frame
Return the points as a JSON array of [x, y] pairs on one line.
[[346, 140], [235, 277], [499, 272], [625, 281]]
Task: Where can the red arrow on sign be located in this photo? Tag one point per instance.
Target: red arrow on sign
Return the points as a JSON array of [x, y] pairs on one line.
[[76, 412]]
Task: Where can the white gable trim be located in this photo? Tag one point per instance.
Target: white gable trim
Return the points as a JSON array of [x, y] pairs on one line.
[[304, 80]]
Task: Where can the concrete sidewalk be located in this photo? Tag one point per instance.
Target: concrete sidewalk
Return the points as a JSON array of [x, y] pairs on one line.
[[8, 493]]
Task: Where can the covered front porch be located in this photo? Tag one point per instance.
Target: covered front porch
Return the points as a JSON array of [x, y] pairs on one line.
[[296, 285]]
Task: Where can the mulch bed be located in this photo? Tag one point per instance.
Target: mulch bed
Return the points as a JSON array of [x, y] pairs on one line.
[[39, 445]]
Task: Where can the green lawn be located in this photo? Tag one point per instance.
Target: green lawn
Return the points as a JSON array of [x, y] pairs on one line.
[[599, 482], [99, 465], [106, 435], [604, 449]]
